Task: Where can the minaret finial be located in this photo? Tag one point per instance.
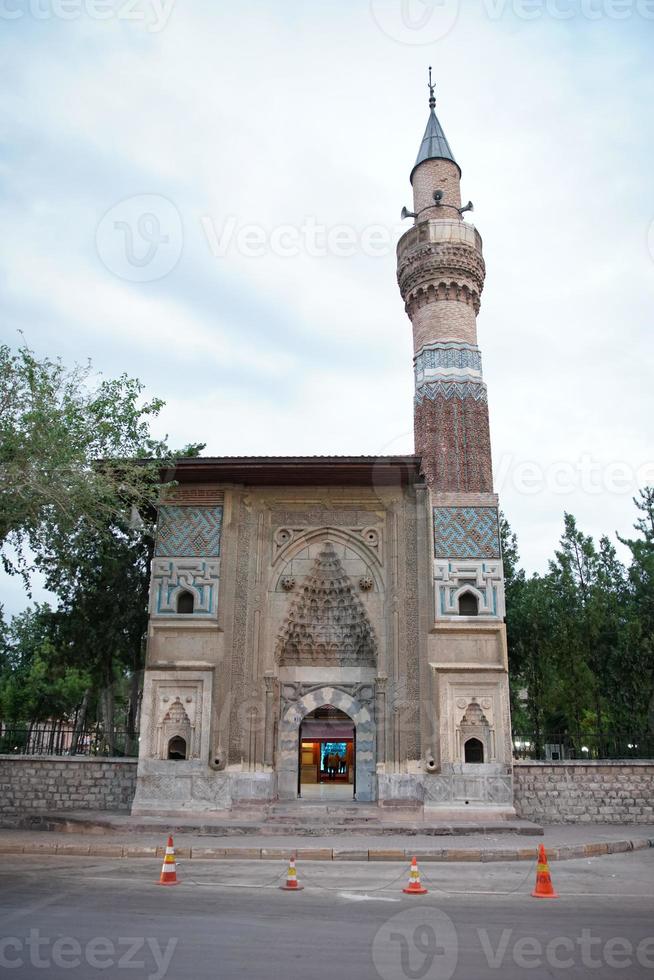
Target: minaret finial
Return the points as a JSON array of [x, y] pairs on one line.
[[432, 98]]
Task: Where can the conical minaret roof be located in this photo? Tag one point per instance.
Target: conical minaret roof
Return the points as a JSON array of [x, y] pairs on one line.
[[434, 144]]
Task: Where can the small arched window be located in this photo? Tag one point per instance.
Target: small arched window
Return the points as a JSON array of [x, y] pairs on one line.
[[468, 604], [177, 748], [474, 750], [185, 603]]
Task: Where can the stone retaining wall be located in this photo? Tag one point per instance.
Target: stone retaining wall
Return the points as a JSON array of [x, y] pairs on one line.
[[35, 783], [545, 792], [585, 792]]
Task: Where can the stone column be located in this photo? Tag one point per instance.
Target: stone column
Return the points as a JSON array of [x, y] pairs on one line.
[[380, 684], [270, 681]]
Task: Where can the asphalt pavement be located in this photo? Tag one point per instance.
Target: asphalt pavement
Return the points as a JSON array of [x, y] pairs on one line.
[[67, 918]]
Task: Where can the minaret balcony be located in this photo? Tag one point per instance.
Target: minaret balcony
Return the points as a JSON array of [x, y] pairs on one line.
[[435, 254], [445, 232]]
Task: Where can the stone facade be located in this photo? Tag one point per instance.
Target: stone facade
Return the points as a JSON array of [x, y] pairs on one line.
[[33, 784], [371, 586], [585, 792]]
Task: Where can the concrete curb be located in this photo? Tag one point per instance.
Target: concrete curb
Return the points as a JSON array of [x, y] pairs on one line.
[[442, 854]]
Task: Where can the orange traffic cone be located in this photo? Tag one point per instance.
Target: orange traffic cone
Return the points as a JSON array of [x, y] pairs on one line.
[[414, 887], [292, 884], [169, 869], [544, 887]]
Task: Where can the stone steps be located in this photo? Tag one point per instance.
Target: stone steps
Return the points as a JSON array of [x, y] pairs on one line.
[[292, 827]]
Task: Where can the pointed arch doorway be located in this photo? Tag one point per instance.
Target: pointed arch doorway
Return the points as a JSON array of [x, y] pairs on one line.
[[296, 705], [327, 755]]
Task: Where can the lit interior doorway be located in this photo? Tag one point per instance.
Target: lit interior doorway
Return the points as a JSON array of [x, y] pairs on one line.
[[327, 764]]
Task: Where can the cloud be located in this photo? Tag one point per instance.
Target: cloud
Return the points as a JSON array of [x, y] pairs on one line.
[[281, 113]]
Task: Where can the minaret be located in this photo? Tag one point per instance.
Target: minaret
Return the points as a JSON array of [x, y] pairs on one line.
[[440, 270], [441, 275]]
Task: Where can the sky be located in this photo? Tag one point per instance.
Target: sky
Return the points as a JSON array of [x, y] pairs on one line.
[[207, 197]]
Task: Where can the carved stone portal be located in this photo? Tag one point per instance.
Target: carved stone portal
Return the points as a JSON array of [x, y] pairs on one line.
[[327, 625]]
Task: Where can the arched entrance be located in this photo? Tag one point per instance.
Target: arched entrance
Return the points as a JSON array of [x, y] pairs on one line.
[[327, 765], [289, 757]]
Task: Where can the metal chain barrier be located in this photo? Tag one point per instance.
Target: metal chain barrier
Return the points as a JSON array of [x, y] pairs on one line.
[[384, 886], [239, 884], [368, 888], [531, 870]]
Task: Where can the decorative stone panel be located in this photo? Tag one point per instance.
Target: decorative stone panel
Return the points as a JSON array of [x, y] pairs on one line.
[[466, 532], [327, 623], [189, 532], [170, 576], [456, 692], [446, 390], [448, 360], [484, 579], [175, 700], [339, 525], [452, 436], [480, 785]]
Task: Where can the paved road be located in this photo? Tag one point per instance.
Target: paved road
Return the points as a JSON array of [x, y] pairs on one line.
[[86, 918]]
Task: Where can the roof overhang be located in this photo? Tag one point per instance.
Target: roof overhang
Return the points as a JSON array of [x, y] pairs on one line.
[[367, 471]]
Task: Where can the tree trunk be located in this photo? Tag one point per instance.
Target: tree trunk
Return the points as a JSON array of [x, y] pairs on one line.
[[107, 704], [132, 714], [80, 721]]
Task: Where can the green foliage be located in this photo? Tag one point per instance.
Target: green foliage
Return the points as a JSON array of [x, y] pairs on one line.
[[79, 478], [39, 682], [72, 447], [580, 637]]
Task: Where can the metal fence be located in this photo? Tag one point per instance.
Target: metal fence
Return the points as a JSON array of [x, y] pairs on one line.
[[62, 739], [557, 747]]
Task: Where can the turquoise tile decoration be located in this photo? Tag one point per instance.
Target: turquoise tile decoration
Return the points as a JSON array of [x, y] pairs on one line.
[[466, 532], [189, 532]]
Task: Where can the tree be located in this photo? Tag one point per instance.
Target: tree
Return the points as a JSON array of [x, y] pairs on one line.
[[80, 475], [72, 446], [572, 578], [641, 579], [38, 682], [101, 576]]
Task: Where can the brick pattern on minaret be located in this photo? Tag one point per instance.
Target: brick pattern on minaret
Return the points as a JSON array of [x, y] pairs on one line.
[[441, 275]]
